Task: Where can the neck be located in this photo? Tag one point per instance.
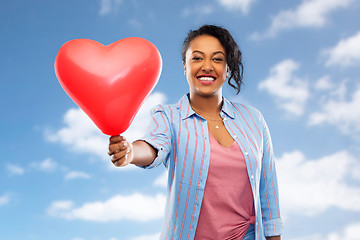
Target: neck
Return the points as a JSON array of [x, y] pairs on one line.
[[207, 104]]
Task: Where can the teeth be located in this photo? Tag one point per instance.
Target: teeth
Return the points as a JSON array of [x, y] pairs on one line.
[[206, 79]]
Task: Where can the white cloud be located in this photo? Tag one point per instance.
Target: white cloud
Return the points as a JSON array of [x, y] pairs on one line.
[[351, 232], [47, 165], [324, 83], [59, 208], [81, 135], [310, 237], [243, 5], [136, 207], [147, 237], [311, 186], [199, 10], [342, 113], [75, 175], [108, 6], [339, 92], [309, 14], [5, 199], [161, 180], [346, 53], [290, 91], [209, 8], [14, 169]]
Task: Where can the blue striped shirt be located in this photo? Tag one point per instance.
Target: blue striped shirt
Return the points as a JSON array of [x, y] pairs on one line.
[[182, 140]]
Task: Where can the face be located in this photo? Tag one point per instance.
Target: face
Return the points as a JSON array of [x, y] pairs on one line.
[[205, 66]]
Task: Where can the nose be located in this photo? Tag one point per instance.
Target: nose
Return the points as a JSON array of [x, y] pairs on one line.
[[207, 66]]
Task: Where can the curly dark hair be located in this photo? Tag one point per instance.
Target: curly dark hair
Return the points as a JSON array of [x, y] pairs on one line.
[[233, 54]]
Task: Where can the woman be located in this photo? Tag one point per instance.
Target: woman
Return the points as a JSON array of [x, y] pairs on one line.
[[221, 181]]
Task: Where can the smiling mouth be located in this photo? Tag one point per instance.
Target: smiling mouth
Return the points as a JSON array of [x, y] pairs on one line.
[[206, 78]]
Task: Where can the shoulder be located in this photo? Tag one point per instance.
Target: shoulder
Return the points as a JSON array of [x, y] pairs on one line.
[[170, 108], [246, 110], [165, 110]]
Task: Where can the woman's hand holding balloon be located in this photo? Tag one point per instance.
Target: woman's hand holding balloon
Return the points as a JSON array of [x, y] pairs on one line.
[[123, 152], [120, 150]]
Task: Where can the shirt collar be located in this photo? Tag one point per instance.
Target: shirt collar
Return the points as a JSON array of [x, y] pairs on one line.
[[186, 111], [228, 108]]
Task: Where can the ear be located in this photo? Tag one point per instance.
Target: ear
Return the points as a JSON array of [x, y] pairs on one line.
[[184, 68]]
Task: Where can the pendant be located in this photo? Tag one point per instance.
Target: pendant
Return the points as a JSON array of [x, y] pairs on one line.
[[216, 126]]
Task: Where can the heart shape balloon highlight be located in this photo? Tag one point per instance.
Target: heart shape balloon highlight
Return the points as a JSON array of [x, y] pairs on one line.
[[109, 83]]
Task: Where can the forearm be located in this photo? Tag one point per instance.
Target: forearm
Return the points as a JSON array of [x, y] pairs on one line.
[[273, 238], [143, 153]]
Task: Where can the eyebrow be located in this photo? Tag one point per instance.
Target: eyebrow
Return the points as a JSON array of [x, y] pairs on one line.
[[197, 51]]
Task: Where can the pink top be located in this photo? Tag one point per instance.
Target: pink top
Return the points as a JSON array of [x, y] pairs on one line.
[[227, 209]]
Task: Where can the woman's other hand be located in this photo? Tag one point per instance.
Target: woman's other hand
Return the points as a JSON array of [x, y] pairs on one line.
[[120, 150]]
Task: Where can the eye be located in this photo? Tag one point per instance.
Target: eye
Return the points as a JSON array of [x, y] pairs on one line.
[[218, 59], [196, 58]]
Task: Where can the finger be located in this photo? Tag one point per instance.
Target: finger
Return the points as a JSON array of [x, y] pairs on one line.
[[117, 146], [116, 139], [120, 162], [114, 152], [123, 161], [117, 156], [114, 148]]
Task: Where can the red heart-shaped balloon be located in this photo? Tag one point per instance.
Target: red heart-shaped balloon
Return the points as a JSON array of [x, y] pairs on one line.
[[109, 83]]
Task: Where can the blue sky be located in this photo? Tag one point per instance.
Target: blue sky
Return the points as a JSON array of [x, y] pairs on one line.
[[302, 72]]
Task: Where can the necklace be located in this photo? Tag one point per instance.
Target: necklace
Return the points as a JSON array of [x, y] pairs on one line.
[[207, 118]]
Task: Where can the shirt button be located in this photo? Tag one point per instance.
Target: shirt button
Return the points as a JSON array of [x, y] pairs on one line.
[[224, 119], [235, 136], [246, 153], [252, 176]]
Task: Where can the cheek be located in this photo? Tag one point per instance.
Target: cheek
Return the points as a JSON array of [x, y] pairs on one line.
[[191, 69], [224, 72], [188, 73]]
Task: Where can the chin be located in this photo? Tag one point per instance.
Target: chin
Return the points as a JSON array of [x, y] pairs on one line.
[[208, 93]]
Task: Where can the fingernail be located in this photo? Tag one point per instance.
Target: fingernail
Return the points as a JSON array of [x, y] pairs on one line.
[[125, 144]]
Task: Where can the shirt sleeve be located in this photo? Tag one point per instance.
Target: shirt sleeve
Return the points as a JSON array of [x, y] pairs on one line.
[[159, 136], [269, 195]]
